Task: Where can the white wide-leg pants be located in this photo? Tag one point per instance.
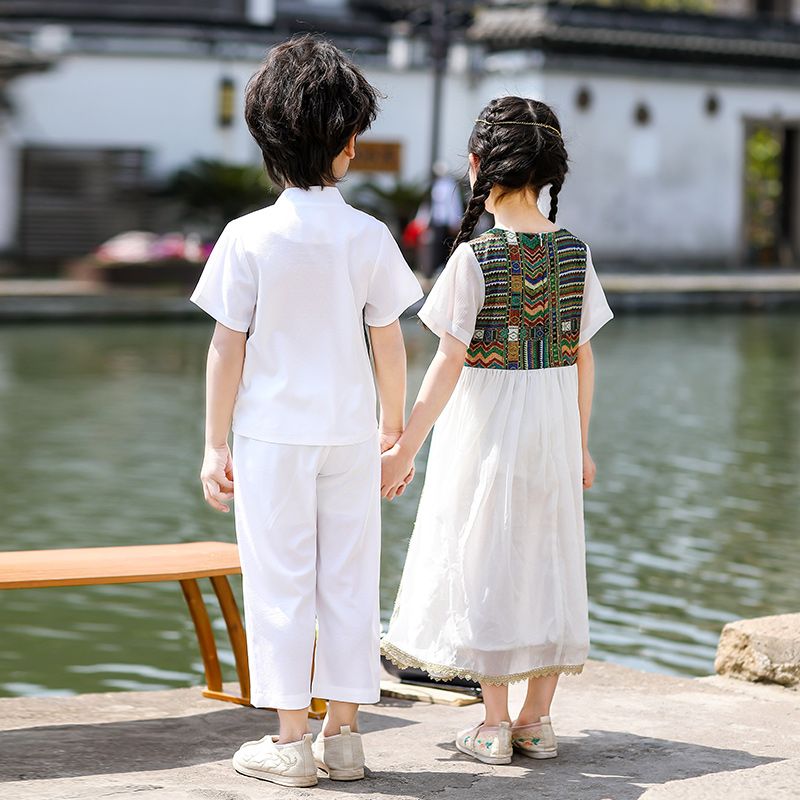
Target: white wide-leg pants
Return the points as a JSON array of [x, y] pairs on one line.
[[308, 526]]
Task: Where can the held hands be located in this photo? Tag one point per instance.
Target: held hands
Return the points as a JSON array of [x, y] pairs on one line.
[[589, 469], [397, 471], [216, 475], [388, 439]]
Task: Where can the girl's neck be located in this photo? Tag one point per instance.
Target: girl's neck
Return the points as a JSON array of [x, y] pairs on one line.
[[519, 212]]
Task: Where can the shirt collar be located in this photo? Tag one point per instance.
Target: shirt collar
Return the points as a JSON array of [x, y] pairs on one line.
[[315, 194]]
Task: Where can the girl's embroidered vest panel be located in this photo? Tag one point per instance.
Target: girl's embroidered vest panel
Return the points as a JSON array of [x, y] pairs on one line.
[[531, 317]]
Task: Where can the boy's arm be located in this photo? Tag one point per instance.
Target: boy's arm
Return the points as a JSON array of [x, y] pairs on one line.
[[223, 374], [437, 387], [389, 355], [585, 392]]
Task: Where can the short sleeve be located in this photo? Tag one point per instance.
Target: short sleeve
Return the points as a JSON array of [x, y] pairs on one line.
[[456, 298], [392, 287], [227, 288], [596, 311]]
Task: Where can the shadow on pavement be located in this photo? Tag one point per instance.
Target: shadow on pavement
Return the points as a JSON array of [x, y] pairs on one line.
[[598, 765], [68, 751]]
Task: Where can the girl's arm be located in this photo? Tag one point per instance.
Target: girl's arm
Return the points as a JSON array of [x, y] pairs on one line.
[[585, 391], [437, 387], [389, 355], [223, 374]]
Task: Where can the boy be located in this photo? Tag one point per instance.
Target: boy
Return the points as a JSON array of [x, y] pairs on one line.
[[290, 287]]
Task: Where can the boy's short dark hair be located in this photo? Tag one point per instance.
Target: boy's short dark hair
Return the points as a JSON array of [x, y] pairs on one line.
[[303, 105]]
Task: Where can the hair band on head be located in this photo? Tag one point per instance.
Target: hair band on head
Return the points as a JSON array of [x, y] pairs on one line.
[[521, 122]]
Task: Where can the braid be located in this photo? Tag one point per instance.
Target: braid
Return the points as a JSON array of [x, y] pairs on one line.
[[483, 185], [475, 208], [555, 188], [517, 145]]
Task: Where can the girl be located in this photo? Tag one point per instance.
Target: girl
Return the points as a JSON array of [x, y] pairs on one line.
[[494, 585]]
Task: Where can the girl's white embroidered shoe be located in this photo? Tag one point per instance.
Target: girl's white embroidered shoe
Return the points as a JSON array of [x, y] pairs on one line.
[[490, 745], [286, 764], [535, 741], [341, 756]]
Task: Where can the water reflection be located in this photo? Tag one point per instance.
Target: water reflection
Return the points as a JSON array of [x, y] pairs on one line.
[[693, 520]]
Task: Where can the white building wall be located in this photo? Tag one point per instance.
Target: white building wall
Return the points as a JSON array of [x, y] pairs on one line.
[[404, 116], [668, 190], [168, 105], [461, 102], [646, 190], [671, 189]]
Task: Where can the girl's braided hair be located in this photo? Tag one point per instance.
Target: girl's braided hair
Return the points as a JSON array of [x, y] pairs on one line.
[[518, 144]]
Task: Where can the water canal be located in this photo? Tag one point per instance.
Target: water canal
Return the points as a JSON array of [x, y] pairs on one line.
[[693, 521]]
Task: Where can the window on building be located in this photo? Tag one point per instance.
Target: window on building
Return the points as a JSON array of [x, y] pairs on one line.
[[772, 9], [73, 199]]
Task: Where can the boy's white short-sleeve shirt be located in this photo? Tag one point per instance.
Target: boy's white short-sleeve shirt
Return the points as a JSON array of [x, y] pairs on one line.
[[301, 277]]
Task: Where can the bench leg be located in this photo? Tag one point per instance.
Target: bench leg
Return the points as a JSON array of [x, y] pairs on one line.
[[233, 622], [208, 646], [205, 635], [318, 708]]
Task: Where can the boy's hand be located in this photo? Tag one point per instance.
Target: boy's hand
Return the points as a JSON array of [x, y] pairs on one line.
[[589, 470], [397, 471], [216, 475], [389, 439]]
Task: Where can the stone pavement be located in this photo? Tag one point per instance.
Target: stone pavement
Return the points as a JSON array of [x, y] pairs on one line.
[[623, 735]]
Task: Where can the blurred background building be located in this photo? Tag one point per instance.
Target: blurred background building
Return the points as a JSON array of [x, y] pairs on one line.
[[682, 117]]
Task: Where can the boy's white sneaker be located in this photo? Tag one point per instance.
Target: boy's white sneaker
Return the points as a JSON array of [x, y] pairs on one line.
[[536, 740], [341, 755], [286, 764], [489, 745]]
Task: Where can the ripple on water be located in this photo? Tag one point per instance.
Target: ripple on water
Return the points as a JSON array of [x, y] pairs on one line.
[[692, 521], [142, 671]]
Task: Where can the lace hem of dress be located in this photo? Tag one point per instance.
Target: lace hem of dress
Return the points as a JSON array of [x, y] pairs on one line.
[[441, 673]]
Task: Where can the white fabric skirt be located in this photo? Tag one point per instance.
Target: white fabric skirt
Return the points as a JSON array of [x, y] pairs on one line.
[[494, 585]]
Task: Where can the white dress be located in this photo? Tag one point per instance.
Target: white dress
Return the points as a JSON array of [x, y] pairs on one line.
[[494, 585]]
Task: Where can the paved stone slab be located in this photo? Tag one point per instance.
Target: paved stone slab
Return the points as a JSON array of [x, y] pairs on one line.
[[779, 779], [623, 735], [761, 649]]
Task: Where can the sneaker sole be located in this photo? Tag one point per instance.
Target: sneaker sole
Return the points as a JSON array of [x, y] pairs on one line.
[[484, 759], [273, 777], [539, 755]]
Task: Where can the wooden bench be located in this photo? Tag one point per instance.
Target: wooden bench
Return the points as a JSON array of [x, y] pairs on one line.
[[185, 563]]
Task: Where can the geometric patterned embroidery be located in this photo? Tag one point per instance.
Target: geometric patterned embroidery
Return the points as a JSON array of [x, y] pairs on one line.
[[531, 317]]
